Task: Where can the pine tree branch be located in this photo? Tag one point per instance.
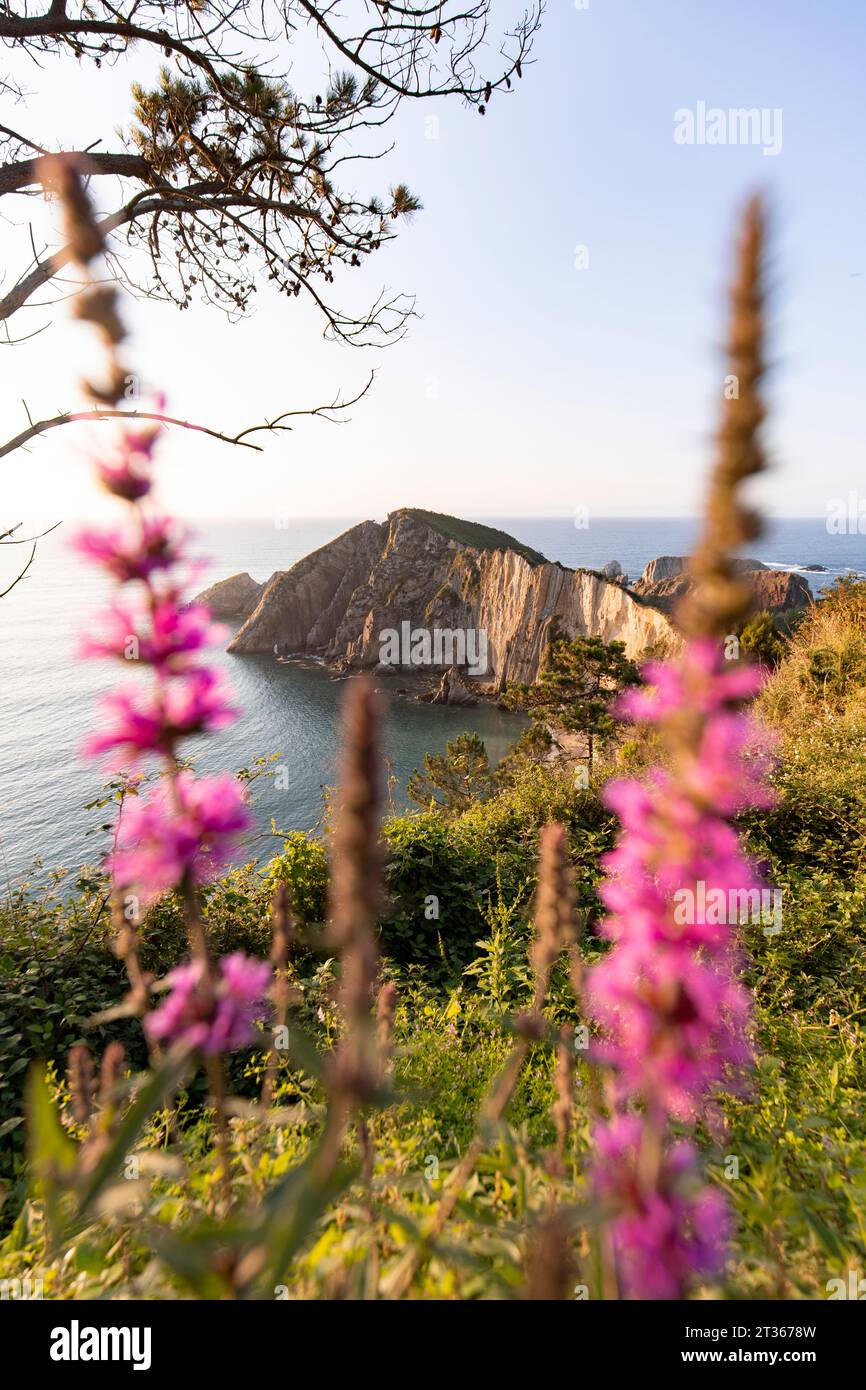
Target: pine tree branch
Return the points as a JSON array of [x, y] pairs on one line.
[[21, 173]]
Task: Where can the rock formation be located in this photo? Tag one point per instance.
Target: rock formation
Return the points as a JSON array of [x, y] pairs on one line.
[[671, 566], [664, 567], [776, 591], [453, 690], [235, 597], [445, 575]]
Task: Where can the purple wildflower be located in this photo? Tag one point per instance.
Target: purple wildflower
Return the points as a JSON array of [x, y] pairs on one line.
[[674, 1015], [212, 1017], [185, 829]]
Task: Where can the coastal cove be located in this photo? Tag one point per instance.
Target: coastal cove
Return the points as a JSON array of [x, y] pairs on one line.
[[49, 698]]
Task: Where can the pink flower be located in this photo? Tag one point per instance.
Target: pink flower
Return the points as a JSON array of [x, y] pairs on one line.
[[218, 1018], [699, 681], [186, 828], [127, 473], [134, 553], [174, 633], [666, 1231], [674, 1015], [125, 477], [136, 724], [676, 1028]]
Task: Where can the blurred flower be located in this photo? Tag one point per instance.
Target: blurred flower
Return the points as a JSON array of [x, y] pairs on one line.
[[196, 701], [665, 1233], [674, 1015], [186, 828], [175, 632], [217, 1016], [136, 552], [127, 472]]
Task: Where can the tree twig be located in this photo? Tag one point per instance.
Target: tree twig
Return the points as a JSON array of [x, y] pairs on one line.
[[274, 426]]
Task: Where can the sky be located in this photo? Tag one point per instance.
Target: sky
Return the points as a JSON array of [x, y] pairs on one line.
[[569, 267]]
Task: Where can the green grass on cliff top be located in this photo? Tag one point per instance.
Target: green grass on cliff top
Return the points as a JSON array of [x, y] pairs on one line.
[[476, 535]]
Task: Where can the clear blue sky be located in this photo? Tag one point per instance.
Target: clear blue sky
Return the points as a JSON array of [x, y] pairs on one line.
[[557, 387]]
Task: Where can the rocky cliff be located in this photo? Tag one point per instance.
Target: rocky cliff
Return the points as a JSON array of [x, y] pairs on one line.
[[419, 570]]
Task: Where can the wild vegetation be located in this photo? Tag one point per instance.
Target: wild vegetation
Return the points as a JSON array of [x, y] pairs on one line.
[[787, 1153], [473, 1051]]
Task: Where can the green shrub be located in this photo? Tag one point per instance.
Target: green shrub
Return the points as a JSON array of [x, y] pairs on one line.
[[303, 865], [441, 869], [56, 972]]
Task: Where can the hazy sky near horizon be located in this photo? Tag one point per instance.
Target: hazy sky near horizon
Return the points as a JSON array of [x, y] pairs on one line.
[[528, 385]]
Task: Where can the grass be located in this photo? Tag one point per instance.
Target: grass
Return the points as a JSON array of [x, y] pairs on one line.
[[473, 533]]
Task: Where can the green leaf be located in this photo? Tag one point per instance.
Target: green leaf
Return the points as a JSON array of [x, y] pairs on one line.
[[53, 1153], [292, 1209], [52, 1148]]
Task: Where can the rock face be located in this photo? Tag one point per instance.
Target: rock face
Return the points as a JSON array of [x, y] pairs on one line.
[[664, 567], [235, 597], [448, 576], [301, 609], [671, 566], [777, 591]]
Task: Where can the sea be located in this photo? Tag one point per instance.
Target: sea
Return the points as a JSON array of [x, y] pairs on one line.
[[49, 696]]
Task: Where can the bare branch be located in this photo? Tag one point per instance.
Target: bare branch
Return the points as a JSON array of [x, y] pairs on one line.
[[21, 575], [22, 173], [28, 540], [25, 540], [275, 426]]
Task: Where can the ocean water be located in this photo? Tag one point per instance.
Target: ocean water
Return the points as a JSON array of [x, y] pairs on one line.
[[48, 697]]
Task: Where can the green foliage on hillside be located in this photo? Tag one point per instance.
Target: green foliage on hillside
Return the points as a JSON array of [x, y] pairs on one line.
[[788, 1153], [475, 534], [452, 780]]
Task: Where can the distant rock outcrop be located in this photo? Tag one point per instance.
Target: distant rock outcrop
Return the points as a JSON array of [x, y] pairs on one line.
[[775, 591], [671, 566], [779, 590], [443, 575], [303, 609], [664, 567], [235, 597]]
